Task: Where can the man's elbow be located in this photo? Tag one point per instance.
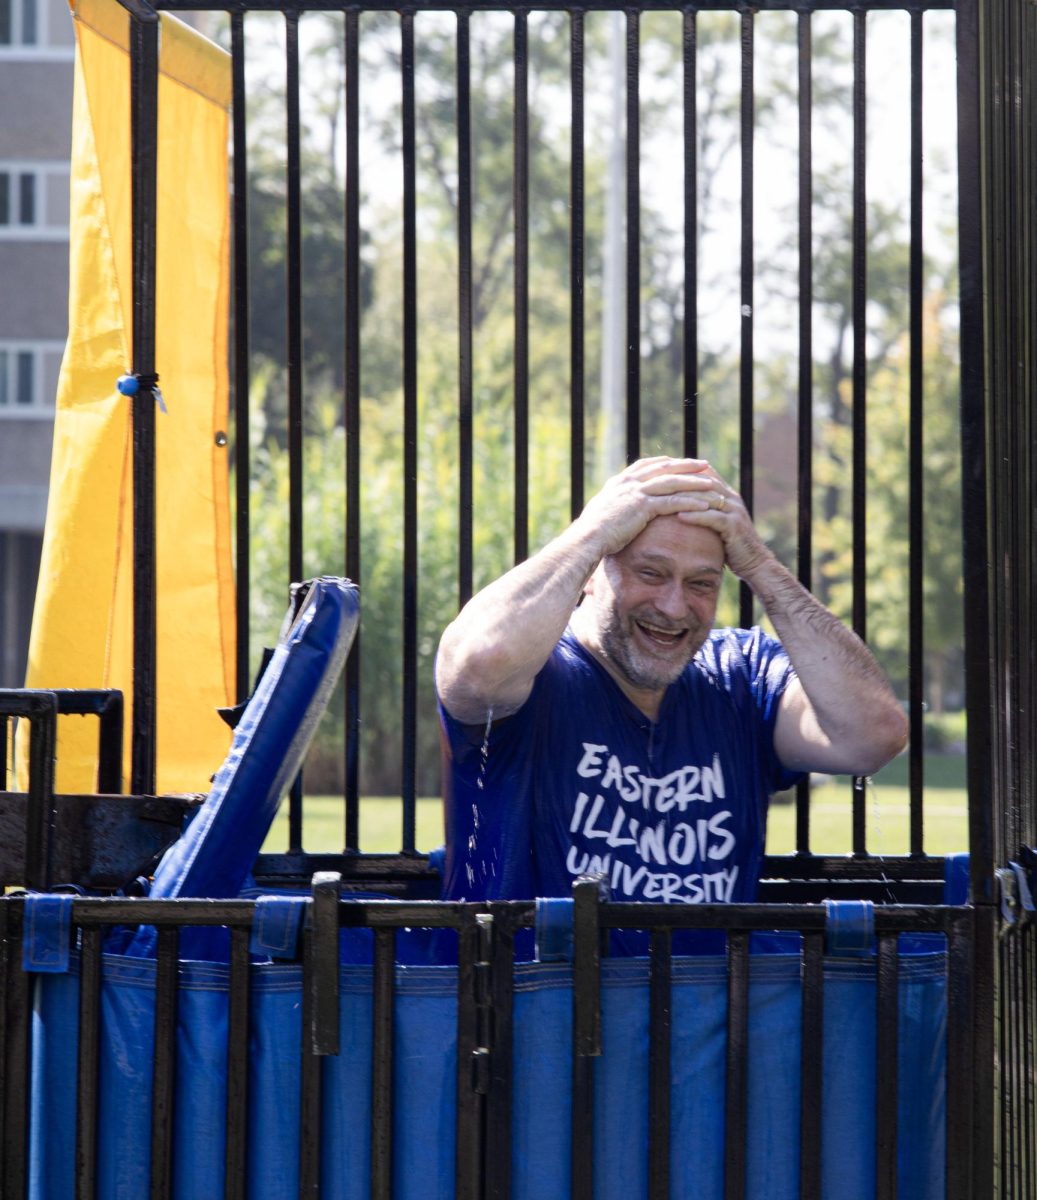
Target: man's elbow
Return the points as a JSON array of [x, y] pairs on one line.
[[886, 735], [471, 681]]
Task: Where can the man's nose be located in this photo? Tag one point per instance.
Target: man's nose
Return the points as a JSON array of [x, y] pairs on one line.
[[671, 601]]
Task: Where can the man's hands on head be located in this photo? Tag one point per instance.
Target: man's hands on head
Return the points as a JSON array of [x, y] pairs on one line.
[[648, 488], [689, 488], [717, 506]]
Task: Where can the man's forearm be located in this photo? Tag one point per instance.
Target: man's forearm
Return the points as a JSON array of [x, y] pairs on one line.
[[492, 651], [855, 708]]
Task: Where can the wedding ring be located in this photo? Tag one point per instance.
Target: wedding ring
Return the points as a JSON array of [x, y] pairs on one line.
[[722, 503]]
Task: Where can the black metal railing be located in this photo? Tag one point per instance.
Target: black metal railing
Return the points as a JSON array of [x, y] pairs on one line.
[[485, 982]]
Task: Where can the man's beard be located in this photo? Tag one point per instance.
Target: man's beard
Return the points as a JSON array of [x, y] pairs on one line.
[[641, 668]]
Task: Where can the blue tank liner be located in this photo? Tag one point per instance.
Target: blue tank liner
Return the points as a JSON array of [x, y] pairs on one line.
[[219, 847], [425, 1081]]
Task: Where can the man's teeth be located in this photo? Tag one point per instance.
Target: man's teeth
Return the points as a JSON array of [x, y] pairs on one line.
[[662, 635]]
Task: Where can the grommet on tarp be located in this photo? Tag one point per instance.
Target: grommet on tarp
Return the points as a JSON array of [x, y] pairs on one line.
[[849, 926], [46, 941], [956, 878], [276, 924], [554, 929]]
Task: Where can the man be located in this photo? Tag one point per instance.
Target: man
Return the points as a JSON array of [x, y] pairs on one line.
[[621, 733]]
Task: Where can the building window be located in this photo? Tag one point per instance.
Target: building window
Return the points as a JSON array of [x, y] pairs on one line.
[[18, 375], [18, 193], [17, 198], [33, 200], [19, 23], [26, 198], [28, 378]]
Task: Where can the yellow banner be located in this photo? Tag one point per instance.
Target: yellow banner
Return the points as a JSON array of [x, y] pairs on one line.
[[82, 624]]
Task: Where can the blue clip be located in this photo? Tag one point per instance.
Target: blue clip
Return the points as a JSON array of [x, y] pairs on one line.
[[849, 926], [554, 929], [46, 944], [129, 385], [275, 925]]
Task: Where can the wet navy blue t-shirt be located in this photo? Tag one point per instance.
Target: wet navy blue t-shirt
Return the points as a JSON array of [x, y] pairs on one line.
[[579, 780]]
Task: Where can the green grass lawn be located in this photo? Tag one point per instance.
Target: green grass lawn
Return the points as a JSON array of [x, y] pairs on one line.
[[886, 813]]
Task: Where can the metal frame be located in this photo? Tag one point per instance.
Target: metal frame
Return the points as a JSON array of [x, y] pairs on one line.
[[485, 985], [996, 107]]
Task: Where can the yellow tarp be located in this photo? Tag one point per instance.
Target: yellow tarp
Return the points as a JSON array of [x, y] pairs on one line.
[[82, 625]]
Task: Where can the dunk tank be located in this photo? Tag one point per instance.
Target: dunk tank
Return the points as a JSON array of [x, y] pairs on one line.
[[339, 385]]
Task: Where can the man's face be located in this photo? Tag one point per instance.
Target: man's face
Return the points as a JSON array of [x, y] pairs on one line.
[[652, 605]]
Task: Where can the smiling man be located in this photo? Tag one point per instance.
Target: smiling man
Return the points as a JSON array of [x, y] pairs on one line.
[[594, 720]]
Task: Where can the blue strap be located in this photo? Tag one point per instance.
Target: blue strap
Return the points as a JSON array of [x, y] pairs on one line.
[[46, 944], [554, 928], [849, 926], [956, 878], [437, 860], [275, 925]]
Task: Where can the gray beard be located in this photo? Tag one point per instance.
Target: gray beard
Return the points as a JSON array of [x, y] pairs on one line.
[[639, 669]]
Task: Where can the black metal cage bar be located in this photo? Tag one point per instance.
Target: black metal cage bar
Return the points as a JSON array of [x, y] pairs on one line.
[[576, 265], [805, 409], [520, 205], [746, 405], [410, 437], [293, 347], [465, 565], [352, 415], [242, 370], [916, 461], [633, 235], [689, 46], [144, 124]]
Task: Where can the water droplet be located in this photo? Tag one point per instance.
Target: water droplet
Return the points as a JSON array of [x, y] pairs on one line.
[[484, 754]]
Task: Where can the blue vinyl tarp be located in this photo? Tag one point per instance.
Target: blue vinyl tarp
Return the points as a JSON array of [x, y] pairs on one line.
[[425, 1080]]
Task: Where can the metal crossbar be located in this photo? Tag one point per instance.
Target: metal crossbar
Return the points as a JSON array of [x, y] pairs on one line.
[[485, 989]]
